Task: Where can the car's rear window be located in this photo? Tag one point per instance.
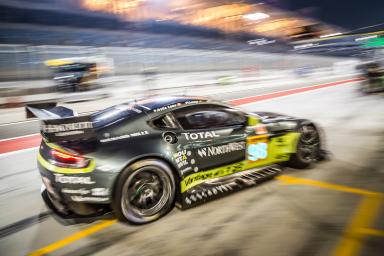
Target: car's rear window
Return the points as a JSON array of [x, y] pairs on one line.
[[116, 113]]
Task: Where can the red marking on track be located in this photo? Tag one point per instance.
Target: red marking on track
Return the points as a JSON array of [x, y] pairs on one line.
[[272, 95], [24, 142]]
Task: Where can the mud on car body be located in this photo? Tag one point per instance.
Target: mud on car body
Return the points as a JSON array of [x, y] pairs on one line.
[[139, 159]]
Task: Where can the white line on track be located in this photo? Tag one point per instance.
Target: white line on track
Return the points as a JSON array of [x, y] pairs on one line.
[[20, 122], [245, 104], [19, 137], [296, 88]]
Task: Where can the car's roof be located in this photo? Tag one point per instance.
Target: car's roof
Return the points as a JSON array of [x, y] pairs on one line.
[[159, 102], [135, 108]]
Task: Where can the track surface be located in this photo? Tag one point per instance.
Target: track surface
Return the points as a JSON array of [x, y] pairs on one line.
[[285, 216]]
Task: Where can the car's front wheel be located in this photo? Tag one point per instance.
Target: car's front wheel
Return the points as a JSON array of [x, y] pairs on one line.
[[145, 192], [308, 147]]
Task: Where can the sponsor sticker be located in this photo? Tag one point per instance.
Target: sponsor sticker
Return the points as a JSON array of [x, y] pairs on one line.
[[186, 169], [181, 158], [167, 107], [51, 128], [69, 128], [220, 150], [176, 105], [60, 178], [61, 134], [125, 136], [200, 135], [89, 199], [197, 178], [100, 191], [81, 191], [192, 102]]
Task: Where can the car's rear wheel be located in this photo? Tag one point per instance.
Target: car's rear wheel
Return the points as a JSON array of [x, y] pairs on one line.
[[308, 147], [145, 192]]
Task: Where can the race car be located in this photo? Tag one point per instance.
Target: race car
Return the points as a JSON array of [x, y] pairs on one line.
[[373, 73], [78, 73], [138, 160]]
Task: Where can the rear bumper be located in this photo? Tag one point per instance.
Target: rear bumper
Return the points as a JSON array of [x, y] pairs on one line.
[[64, 215]]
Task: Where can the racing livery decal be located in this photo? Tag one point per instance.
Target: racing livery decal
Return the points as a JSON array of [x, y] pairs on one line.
[[131, 161], [220, 150], [200, 135]]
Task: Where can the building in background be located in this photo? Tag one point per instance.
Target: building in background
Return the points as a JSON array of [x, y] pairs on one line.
[[225, 15]]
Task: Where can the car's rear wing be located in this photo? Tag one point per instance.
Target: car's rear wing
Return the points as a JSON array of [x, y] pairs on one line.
[[60, 123]]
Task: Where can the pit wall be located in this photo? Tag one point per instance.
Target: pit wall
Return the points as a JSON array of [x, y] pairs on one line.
[[22, 62]]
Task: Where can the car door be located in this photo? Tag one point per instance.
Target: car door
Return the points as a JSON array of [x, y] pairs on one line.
[[217, 134], [178, 149]]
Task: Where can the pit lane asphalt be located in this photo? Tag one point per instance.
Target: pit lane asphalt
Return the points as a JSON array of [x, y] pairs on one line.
[[269, 219]]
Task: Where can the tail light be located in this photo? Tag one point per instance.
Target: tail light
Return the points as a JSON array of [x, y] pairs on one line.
[[64, 159]]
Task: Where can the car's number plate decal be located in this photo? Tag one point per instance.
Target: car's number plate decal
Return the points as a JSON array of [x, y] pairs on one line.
[[257, 147]]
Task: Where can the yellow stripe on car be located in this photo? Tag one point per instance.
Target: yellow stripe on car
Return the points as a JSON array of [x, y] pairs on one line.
[[279, 150], [58, 148]]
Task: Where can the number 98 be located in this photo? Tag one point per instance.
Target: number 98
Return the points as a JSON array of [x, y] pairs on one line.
[[257, 151]]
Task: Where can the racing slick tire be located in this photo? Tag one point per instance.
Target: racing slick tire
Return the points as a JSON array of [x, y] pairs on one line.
[[308, 148], [144, 192]]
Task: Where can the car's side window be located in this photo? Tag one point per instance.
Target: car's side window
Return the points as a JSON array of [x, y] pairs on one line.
[[208, 117], [164, 122]]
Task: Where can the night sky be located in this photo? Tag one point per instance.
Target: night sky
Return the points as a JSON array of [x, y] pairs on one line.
[[346, 14]]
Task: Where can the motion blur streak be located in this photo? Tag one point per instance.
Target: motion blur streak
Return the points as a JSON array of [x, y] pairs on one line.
[[14, 144], [370, 232], [350, 242], [70, 239], [364, 216], [289, 180], [289, 92]]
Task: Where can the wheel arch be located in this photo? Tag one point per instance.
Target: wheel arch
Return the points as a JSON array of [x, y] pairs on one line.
[[132, 161]]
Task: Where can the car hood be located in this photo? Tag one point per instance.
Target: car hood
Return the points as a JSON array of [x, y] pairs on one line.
[[270, 116]]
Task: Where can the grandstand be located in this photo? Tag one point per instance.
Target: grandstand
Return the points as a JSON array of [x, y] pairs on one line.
[[48, 24]]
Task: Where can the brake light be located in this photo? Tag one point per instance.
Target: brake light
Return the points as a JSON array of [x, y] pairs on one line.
[[64, 159]]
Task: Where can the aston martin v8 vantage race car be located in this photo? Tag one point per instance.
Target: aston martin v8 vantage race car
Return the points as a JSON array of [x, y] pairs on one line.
[[373, 73], [138, 159]]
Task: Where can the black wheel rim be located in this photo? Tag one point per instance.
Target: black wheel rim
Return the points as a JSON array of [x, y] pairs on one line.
[[146, 192], [309, 143]]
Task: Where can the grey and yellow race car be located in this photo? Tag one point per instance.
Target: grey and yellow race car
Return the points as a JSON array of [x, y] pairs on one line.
[[139, 159], [373, 72], [79, 73]]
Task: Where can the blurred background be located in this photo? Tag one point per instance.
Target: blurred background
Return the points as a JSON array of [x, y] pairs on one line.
[[91, 54], [163, 43]]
